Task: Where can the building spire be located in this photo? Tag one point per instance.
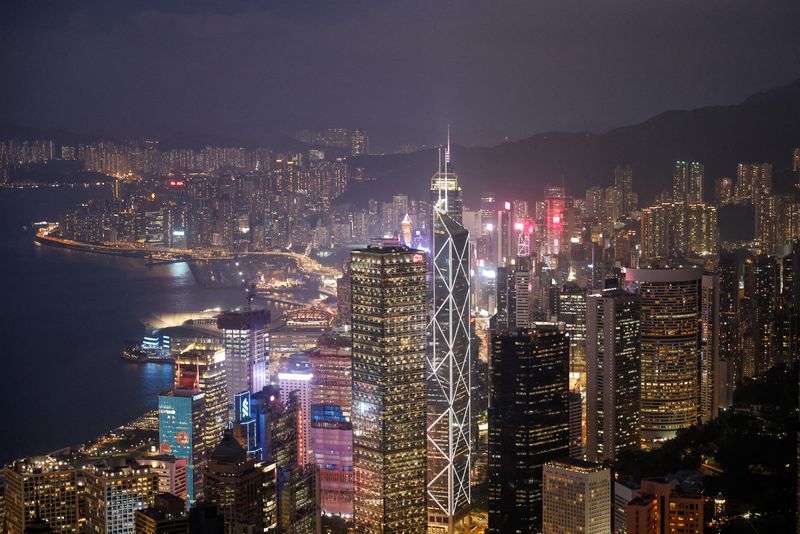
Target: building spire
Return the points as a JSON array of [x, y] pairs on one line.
[[447, 152]]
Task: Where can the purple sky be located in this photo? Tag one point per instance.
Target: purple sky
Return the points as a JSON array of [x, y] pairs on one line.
[[402, 69]]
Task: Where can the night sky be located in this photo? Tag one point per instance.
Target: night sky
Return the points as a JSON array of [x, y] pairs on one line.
[[402, 69]]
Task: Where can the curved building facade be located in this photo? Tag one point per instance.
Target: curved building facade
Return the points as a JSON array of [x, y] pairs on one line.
[[670, 349]]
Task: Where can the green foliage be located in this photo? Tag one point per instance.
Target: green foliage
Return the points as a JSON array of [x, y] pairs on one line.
[[748, 453]]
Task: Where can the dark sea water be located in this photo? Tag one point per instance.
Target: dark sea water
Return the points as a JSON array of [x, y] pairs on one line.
[[64, 317]]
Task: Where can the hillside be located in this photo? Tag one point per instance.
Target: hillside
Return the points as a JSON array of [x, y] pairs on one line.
[[764, 127]]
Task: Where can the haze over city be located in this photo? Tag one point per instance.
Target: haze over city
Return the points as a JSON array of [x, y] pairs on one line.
[[444, 267], [253, 70]]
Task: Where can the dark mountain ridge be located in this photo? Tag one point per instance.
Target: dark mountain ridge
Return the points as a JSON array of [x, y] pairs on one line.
[[763, 128]]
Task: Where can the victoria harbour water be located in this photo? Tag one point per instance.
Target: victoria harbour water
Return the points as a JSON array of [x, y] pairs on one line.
[[64, 318]]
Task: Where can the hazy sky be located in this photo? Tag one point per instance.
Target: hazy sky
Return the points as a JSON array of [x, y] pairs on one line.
[[402, 69]]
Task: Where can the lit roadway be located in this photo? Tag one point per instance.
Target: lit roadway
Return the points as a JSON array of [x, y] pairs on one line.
[[305, 263]]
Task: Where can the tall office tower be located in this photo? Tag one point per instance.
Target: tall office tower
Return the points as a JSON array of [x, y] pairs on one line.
[[331, 427], [555, 202], [297, 486], [170, 471], [399, 208], [296, 378], [713, 374], [332, 367], [613, 320], [488, 211], [244, 426], [42, 488], [503, 234], [115, 489], [181, 422], [449, 364], [729, 337], [514, 297], [576, 497], [204, 370], [332, 439], [528, 422], [723, 191], [577, 414], [571, 312], [389, 389], [405, 230], [670, 349], [760, 289], [299, 332], [235, 484], [343, 296], [359, 142], [246, 357], [623, 181]]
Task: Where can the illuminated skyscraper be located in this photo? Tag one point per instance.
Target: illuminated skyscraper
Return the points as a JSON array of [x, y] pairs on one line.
[[571, 312], [528, 422], [687, 182], [729, 332], [514, 293], [246, 357], [331, 427], [673, 229], [235, 484], [41, 488], [181, 423], [760, 289], [115, 489], [713, 371], [555, 201], [449, 365], [623, 181], [389, 389], [296, 378], [576, 497], [204, 370], [670, 349], [612, 374]]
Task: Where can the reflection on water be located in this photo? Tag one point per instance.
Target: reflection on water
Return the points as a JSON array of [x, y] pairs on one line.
[[65, 317]]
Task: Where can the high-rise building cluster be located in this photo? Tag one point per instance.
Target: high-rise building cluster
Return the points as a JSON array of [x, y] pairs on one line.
[[523, 347]]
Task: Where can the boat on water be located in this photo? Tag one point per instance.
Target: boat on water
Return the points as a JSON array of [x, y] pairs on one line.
[[136, 354]]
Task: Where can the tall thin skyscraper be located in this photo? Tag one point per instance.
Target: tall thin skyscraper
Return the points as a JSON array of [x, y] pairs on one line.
[[687, 182], [389, 389], [670, 348], [246, 358], [204, 370], [623, 181], [449, 366], [612, 374], [528, 422], [181, 424]]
